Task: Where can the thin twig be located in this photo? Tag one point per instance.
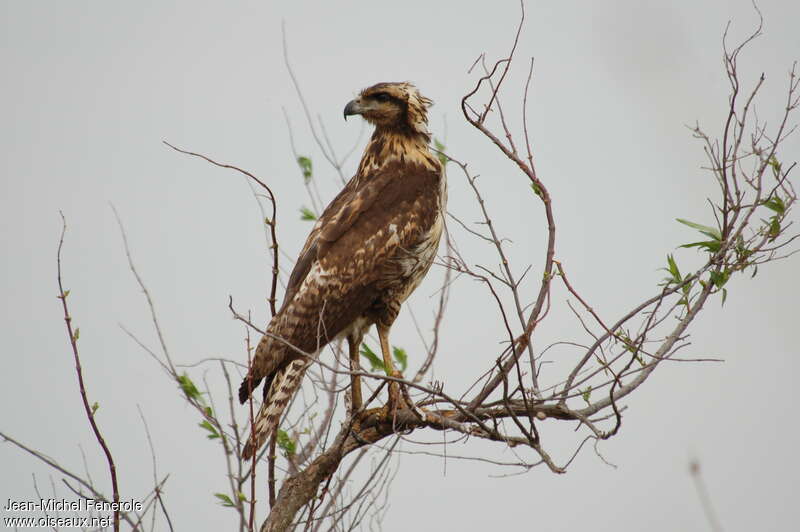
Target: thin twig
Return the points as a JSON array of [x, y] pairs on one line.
[[73, 340]]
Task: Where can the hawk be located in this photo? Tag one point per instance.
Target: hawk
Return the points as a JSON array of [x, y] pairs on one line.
[[368, 251]]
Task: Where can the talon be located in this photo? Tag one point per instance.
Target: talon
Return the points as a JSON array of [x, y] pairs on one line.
[[394, 395], [355, 426], [397, 395]]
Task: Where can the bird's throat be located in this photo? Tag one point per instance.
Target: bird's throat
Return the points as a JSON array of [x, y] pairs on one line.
[[389, 146]]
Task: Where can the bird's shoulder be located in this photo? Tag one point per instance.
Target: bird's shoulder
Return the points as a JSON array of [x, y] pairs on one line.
[[373, 214]]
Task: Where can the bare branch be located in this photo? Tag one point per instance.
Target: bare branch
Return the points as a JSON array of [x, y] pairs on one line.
[[73, 340]]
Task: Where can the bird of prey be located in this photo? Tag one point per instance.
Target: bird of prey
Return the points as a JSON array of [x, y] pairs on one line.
[[368, 251]]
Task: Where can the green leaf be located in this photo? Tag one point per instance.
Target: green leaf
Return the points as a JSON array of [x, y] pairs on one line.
[[774, 232], [375, 362], [724, 295], [188, 387], [66, 293], [224, 500], [775, 203], [287, 444], [776, 166], [587, 393], [710, 232], [673, 269], [210, 428], [687, 289], [712, 246], [536, 189], [440, 148], [208, 411], [241, 496], [95, 407], [76, 334], [307, 215], [401, 357], [720, 278], [305, 167], [742, 253]]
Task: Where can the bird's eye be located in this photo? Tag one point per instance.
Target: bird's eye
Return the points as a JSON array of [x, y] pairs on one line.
[[381, 97]]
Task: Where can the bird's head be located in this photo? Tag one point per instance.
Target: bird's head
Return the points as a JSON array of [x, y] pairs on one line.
[[397, 106]]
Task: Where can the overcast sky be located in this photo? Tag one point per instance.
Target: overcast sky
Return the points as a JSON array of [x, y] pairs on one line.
[[91, 89]]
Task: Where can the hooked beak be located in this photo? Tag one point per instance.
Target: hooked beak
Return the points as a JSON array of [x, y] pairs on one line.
[[353, 107]]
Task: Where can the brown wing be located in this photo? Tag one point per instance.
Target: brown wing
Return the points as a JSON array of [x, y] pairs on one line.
[[348, 260], [387, 215], [338, 217]]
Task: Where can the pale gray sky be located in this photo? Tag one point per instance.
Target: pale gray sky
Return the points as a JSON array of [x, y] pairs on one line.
[[90, 90]]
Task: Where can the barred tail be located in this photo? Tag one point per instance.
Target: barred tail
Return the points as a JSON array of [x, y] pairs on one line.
[[284, 385]]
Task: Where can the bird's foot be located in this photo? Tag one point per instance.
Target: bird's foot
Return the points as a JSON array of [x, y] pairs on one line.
[[398, 396], [356, 413], [355, 422]]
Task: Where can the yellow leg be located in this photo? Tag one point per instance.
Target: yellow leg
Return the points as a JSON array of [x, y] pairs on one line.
[[394, 388], [355, 380]]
